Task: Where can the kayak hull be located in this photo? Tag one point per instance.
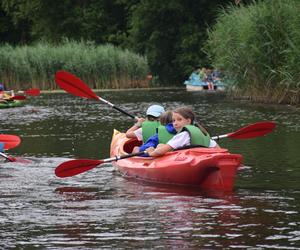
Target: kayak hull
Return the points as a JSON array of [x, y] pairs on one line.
[[11, 104], [203, 168]]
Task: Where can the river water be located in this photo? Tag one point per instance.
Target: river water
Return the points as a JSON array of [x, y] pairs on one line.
[[100, 209]]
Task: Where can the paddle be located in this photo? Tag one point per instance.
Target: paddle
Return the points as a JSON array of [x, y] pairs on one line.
[[18, 97], [74, 167], [250, 131], [32, 92], [10, 141], [7, 157], [77, 87]]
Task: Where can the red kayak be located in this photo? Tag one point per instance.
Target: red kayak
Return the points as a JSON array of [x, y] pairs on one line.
[[204, 168]]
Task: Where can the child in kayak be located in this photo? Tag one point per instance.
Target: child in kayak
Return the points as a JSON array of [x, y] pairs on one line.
[[4, 97], [1, 92], [166, 126], [143, 129], [188, 133]]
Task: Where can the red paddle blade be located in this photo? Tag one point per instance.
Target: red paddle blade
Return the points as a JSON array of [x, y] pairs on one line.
[[32, 92], [18, 97], [74, 85], [10, 141], [75, 167], [7, 157], [254, 130]]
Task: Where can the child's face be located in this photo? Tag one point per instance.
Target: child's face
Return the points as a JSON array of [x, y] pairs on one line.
[[179, 121]]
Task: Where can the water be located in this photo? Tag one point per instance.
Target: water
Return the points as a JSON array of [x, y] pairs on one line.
[[101, 210]]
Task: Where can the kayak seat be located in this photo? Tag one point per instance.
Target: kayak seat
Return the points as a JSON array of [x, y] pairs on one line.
[[130, 144]]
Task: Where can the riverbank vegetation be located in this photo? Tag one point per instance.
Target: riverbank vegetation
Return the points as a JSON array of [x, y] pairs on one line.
[[254, 43], [258, 47], [102, 66], [170, 34]]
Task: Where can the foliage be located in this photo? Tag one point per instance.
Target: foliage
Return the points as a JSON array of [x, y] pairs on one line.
[[52, 20], [104, 66], [171, 34], [259, 45]]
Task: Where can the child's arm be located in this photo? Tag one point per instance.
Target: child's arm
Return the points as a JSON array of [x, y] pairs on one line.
[[130, 132], [164, 148]]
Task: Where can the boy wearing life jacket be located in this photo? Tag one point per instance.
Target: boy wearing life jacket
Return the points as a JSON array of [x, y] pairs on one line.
[[164, 133], [143, 129]]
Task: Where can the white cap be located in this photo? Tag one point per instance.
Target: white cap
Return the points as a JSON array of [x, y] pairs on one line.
[[155, 110]]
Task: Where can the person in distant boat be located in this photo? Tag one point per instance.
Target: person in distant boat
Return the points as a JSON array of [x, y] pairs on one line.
[[216, 75], [202, 74], [1, 91], [4, 96], [209, 79], [164, 133], [189, 133], [143, 129]]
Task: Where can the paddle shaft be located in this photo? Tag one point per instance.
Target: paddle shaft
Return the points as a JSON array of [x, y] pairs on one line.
[[217, 137], [75, 167], [120, 157], [75, 86], [251, 131], [9, 158], [115, 107]]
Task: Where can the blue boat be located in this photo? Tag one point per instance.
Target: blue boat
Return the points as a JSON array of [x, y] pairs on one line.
[[194, 83]]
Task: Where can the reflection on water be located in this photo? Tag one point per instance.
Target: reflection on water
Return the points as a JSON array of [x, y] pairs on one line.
[[100, 209]]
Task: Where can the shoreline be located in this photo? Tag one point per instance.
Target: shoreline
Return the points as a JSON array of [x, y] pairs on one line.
[[241, 98], [115, 90]]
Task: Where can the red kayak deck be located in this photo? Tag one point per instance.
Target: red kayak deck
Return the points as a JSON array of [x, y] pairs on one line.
[[204, 168]]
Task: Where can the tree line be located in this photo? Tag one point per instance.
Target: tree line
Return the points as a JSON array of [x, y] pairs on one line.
[[256, 43], [170, 34]]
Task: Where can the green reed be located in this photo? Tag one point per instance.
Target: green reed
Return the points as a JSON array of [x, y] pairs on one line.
[[258, 47], [104, 66]]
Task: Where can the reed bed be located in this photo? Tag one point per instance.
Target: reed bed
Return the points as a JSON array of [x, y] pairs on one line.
[[258, 47], [100, 67]]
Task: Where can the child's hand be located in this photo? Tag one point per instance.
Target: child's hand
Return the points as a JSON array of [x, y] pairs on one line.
[[150, 150], [139, 122]]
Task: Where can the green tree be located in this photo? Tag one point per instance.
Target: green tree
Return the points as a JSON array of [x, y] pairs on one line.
[[13, 30], [259, 46], [171, 34], [102, 21]]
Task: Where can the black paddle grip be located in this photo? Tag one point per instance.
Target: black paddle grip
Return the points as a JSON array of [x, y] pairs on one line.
[[124, 112]]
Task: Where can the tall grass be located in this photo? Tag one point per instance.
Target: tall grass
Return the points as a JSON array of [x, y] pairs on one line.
[[99, 66], [258, 47]]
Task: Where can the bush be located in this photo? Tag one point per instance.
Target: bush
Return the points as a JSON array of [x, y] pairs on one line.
[[258, 46], [103, 66]]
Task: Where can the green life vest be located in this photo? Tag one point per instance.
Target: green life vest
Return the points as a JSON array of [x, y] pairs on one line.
[[149, 128], [164, 135], [197, 136]]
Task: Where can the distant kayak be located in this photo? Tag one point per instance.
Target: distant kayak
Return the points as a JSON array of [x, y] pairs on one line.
[[202, 168], [12, 104]]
